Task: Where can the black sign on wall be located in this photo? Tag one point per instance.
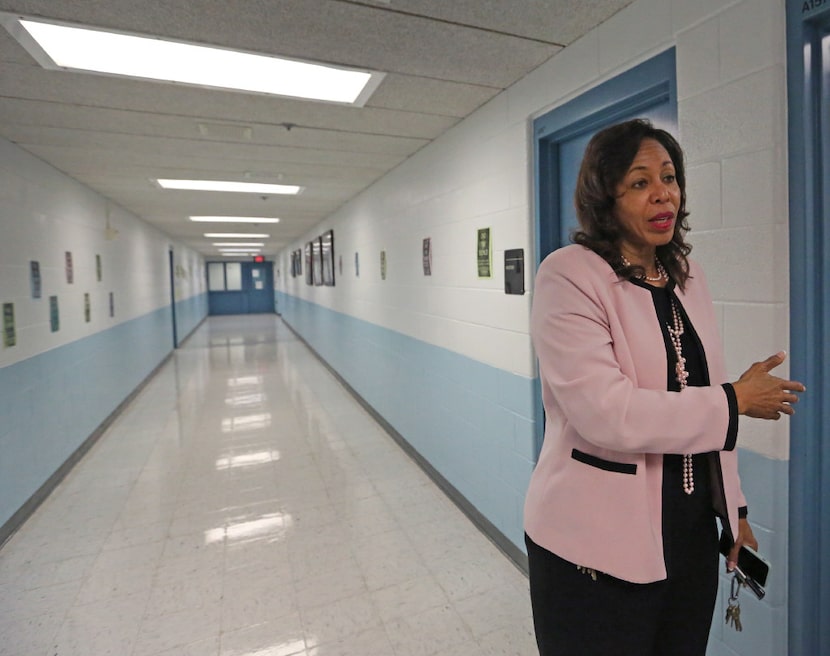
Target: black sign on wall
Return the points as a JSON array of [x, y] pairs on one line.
[[514, 271]]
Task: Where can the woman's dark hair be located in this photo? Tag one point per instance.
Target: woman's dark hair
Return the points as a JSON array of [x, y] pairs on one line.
[[606, 162]]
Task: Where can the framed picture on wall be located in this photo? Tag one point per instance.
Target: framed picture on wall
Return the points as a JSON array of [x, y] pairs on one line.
[[327, 253], [308, 275], [317, 260]]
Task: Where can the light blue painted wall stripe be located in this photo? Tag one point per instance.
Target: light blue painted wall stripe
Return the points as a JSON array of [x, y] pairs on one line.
[[472, 422], [51, 403]]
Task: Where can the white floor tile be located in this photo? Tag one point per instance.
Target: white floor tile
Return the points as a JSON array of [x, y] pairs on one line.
[[244, 503]]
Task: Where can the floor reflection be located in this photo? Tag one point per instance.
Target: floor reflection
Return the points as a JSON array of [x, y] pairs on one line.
[[244, 503]]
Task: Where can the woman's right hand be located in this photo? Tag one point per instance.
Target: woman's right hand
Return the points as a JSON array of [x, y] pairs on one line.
[[764, 396]]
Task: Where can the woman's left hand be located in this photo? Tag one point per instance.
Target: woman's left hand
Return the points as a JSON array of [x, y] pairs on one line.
[[745, 537]]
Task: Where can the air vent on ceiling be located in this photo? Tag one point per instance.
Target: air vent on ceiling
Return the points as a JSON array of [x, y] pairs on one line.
[[226, 131]]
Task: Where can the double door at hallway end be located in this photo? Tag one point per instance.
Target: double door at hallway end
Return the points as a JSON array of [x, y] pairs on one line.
[[240, 287]]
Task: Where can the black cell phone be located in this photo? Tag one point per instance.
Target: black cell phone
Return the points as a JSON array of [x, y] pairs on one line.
[[752, 569]]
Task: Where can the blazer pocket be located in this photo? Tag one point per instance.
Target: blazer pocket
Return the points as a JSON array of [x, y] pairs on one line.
[[601, 463]]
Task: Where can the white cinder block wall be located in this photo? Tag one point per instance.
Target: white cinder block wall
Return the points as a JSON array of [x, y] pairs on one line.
[[732, 124], [57, 387], [43, 214]]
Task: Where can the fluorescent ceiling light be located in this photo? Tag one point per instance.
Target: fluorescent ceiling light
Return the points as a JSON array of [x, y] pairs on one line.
[[239, 243], [239, 250], [78, 48], [233, 219], [229, 185], [235, 235]]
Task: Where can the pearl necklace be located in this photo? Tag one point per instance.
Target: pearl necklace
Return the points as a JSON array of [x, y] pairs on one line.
[[675, 331], [661, 272]]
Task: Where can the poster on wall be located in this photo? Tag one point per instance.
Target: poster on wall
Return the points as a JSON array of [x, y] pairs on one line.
[[383, 265], [9, 337], [70, 276], [427, 254], [327, 255], [112, 304], [54, 316], [98, 269], [309, 278], [87, 308], [484, 253], [34, 277], [317, 261], [299, 262]]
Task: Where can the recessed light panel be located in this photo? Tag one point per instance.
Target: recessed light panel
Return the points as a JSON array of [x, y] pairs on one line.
[[81, 48], [233, 219], [236, 235], [229, 185]]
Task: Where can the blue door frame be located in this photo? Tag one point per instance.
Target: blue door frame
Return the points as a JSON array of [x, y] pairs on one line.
[[634, 92], [171, 260], [808, 70]]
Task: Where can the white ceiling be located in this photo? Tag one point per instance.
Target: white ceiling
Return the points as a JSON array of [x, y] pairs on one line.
[[442, 59]]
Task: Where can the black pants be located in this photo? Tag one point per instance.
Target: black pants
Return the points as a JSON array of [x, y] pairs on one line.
[[574, 615]]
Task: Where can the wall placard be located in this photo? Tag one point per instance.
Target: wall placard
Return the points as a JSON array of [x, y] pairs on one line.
[[70, 276], [484, 253], [9, 336], [383, 265], [426, 251], [54, 315], [87, 308], [34, 276], [514, 271]]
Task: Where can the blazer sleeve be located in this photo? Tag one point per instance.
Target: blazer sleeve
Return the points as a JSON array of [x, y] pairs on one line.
[[574, 338]]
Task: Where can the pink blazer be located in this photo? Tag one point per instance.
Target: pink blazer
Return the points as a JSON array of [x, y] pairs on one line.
[[595, 496]]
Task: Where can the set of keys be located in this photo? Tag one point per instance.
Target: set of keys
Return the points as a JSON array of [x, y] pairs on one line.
[[733, 607]]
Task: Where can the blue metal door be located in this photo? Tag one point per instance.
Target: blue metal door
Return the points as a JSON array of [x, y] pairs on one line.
[[260, 283], [251, 293], [808, 69]]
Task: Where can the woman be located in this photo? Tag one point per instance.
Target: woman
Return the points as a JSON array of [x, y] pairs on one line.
[[639, 453]]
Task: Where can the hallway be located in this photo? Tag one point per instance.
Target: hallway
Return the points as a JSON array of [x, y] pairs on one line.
[[245, 504]]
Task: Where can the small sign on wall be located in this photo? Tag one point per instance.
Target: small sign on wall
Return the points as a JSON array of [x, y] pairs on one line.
[[383, 265], [34, 275], [9, 336], [54, 316], [484, 254], [427, 255], [87, 308], [514, 271], [70, 276]]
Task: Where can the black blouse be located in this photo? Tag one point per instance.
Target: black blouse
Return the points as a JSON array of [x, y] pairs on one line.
[[682, 511]]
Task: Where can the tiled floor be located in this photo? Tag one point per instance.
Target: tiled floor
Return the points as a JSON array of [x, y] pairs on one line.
[[245, 504]]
